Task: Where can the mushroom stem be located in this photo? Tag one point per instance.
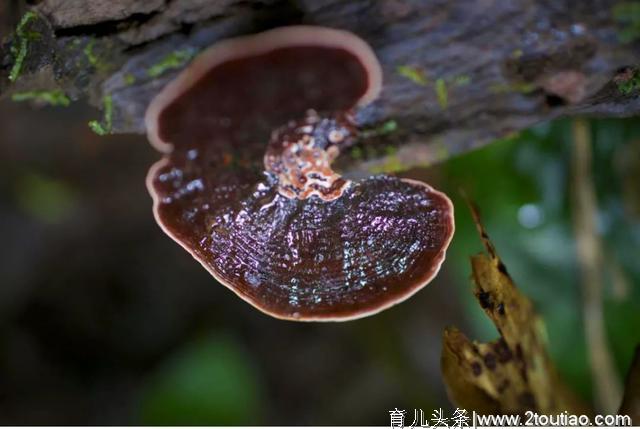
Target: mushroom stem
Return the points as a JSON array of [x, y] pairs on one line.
[[300, 155]]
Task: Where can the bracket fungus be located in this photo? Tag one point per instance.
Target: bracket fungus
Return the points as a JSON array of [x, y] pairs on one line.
[[248, 132]]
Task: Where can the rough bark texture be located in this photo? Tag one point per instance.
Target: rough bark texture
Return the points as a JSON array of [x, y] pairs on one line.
[[456, 74]]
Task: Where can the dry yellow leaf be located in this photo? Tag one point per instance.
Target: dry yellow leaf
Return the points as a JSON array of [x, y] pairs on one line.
[[514, 373]]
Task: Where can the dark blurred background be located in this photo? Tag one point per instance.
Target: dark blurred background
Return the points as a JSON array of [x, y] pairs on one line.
[[105, 320]]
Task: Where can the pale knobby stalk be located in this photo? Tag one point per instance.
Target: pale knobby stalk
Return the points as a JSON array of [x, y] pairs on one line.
[[608, 390]]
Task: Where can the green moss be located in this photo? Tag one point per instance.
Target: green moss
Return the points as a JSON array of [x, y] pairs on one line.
[[414, 74], [91, 56], [20, 50], [388, 127], [103, 127], [627, 15], [129, 79], [98, 128], [462, 80], [441, 93], [630, 84], [392, 164], [516, 53], [174, 60], [520, 87], [418, 77], [97, 53], [53, 98]]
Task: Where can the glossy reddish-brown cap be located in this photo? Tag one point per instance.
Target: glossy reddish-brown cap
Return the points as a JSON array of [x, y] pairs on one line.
[[249, 131]]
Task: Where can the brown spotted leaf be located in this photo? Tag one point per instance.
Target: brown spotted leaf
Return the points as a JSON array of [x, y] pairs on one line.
[[513, 373]]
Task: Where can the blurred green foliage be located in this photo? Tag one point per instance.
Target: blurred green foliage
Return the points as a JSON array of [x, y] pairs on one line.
[[47, 199], [208, 382], [522, 186], [627, 14]]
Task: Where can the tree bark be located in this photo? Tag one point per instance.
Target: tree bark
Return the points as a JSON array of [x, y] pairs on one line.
[[457, 74]]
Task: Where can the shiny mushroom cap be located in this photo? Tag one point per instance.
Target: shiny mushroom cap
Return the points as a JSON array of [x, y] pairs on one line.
[[248, 132]]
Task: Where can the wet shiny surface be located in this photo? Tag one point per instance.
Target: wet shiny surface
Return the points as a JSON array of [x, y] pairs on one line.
[[364, 247], [305, 258]]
